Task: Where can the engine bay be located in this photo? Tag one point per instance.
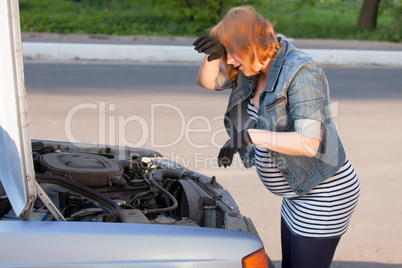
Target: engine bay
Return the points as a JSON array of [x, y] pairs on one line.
[[127, 185]]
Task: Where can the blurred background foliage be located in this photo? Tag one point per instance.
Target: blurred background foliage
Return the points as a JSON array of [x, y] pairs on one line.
[[323, 19]]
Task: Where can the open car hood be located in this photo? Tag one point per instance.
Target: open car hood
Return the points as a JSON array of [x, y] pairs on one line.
[[16, 168]]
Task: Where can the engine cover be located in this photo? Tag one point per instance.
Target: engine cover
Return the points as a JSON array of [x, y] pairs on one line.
[[88, 169]]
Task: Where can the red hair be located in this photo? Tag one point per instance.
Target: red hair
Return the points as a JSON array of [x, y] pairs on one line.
[[247, 34]]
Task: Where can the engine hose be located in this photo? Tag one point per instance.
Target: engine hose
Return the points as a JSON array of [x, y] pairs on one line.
[[167, 173], [159, 210], [85, 191], [138, 196]]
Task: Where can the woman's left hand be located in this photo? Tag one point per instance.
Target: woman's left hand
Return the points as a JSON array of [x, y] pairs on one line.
[[226, 153]]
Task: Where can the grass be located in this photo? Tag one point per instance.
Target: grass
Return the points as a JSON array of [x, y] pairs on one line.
[[325, 20]]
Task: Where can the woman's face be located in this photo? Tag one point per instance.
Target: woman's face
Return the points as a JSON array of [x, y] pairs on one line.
[[239, 64]]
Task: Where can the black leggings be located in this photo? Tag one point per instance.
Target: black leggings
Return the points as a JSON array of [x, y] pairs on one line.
[[303, 252]]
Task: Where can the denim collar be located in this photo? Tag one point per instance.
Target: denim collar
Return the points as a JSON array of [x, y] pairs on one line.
[[277, 65]]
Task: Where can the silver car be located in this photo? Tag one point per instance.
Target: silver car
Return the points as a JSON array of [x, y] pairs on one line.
[[82, 205]]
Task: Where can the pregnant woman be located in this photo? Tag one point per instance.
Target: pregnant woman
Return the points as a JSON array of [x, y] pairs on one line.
[[279, 120]]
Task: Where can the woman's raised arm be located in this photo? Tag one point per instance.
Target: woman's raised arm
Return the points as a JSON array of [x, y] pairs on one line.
[[208, 73]]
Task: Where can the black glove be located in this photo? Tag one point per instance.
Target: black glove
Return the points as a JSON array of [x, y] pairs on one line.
[[225, 156], [209, 45]]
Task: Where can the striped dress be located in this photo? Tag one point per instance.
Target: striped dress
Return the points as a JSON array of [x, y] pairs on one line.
[[325, 211]]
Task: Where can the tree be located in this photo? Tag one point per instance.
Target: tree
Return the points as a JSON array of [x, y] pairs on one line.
[[368, 14]]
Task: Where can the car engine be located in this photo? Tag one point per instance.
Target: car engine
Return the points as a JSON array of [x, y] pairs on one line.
[[127, 185]]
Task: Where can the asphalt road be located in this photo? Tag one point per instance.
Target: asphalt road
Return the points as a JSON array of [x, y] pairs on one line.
[[93, 102], [85, 78]]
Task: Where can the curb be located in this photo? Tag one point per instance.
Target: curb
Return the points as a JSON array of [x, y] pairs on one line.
[[163, 53]]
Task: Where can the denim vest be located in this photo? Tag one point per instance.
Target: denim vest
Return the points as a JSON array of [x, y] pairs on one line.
[[297, 88]]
